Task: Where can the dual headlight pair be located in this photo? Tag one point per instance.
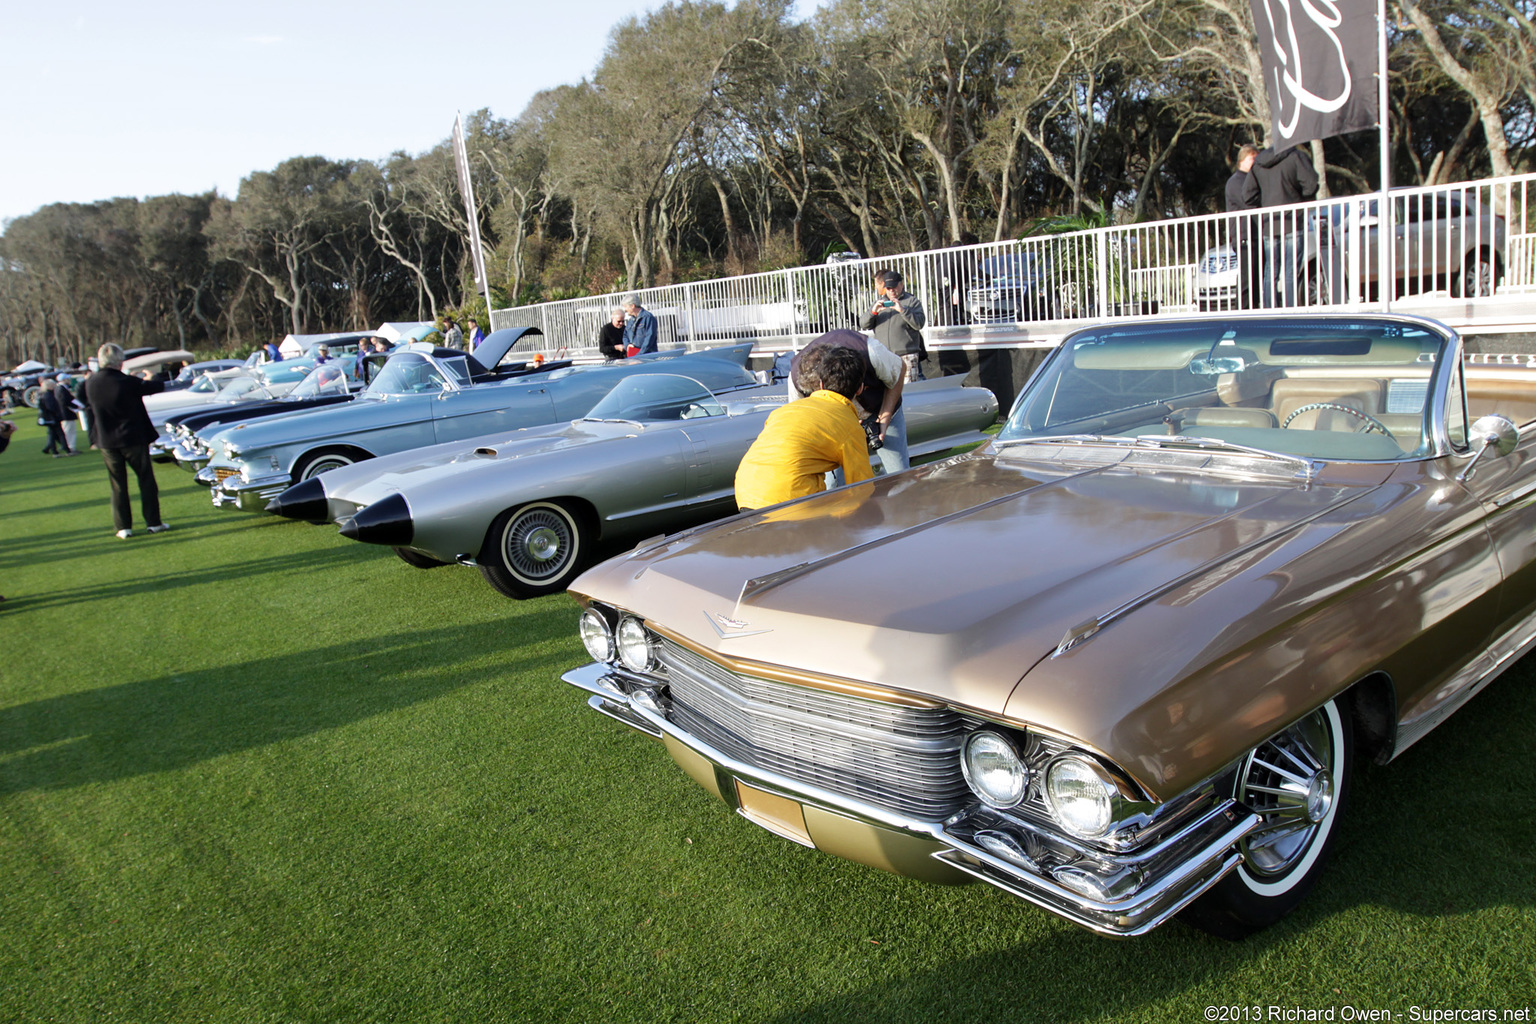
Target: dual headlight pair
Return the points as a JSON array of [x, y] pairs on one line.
[[630, 642], [1082, 796]]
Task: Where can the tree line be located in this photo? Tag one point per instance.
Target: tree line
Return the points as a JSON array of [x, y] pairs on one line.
[[714, 140]]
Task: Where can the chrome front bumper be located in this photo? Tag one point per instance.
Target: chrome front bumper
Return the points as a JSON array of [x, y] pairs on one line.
[[189, 460], [246, 495], [1119, 894]]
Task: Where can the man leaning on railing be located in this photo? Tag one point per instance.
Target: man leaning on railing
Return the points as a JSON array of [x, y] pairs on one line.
[[1281, 178]]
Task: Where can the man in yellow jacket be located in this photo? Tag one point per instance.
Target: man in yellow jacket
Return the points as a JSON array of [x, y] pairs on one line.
[[803, 441]]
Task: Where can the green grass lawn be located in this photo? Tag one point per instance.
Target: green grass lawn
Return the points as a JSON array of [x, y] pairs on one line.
[[251, 771]]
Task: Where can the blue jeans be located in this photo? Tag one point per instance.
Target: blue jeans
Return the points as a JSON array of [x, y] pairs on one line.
[[893, 455]]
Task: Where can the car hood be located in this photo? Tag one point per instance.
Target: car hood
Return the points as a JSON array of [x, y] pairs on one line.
[[305, 424], [952, 581]]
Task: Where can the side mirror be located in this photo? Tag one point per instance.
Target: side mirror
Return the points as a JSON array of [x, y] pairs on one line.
[[1493, 433], [1497, 432]]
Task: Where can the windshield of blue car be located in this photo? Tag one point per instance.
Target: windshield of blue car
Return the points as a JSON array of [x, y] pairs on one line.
[[204, 385], [408, 373], [329, 379], [1353, 388], [287, 371], [656, 397], [240, 386]]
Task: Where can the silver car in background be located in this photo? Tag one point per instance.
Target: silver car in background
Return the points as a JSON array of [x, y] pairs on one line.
[[529, 507], [1448, 239]]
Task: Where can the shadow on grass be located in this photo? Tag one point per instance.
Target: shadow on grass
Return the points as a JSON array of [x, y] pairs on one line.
[[172, 721], [68, 506], [1442, 832], [288, 562]]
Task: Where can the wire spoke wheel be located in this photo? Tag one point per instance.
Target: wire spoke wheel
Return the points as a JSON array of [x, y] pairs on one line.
[[1289, 781], [1296, 782]]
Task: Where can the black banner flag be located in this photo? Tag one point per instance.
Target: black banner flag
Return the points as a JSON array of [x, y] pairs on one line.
[[1319, 66]]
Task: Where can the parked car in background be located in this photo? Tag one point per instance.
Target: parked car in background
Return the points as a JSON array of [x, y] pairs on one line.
[[186, 437], [1121, 662], [192, 371], [658, 453], [24, 384], [1445, 240], [426, 395], [229, 384], [1011, 287]]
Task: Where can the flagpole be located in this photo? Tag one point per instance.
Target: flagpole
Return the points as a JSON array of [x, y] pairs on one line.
[[472, 216], [1386, 233]]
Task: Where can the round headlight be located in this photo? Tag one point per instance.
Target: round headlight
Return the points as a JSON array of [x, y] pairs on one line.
[[994, 770], [1081, 795], [634, 645], [595, 636]]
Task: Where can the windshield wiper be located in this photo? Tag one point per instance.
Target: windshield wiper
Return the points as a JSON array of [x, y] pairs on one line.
[[1309, 467], [1067, 439]]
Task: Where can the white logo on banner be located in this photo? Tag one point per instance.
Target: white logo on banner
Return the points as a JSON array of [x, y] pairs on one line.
[[1289, 77]]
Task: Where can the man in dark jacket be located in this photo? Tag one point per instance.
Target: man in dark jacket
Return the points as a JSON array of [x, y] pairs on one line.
[[1245, 230], [123, 431], [1281, 179]]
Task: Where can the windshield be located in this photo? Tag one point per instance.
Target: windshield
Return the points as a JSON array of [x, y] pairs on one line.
[[329, 379], [240, 386], [286, 372], [656, 397], [1352, 389], [408, 373]]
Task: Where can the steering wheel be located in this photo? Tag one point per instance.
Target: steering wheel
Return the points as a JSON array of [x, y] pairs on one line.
[[1371, 422]]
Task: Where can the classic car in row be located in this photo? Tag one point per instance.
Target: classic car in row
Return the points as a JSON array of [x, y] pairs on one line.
[[185, 437], [424, 396], [1122, 661], [265, 382], [530, 506]]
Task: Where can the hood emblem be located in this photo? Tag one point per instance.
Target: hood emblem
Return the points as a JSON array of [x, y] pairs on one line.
[[728, 628]]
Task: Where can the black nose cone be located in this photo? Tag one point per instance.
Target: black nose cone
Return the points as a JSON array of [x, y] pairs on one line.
[[387, 521], [304, 500]]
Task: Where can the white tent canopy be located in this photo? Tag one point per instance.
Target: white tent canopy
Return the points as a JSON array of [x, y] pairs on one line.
[[405, 330], [295, 345]]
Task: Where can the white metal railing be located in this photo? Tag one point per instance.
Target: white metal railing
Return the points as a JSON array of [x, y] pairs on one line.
[[1461, 253]]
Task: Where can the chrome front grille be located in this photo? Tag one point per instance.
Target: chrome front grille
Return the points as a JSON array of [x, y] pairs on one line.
[[901, 758]]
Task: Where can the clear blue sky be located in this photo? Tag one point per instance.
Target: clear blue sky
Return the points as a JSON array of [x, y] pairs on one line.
[[105, 99]]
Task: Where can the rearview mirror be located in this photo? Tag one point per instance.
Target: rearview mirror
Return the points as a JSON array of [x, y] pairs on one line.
[[1214, 367]]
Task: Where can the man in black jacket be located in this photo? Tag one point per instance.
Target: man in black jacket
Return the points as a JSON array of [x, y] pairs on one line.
[[1244, 229], [1281, 178], [123, 432]]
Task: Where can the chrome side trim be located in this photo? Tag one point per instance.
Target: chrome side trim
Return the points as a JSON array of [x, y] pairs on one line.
[[1470, 681]]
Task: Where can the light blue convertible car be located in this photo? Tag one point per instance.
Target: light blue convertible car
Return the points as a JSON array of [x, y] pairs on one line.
[[427, 395]]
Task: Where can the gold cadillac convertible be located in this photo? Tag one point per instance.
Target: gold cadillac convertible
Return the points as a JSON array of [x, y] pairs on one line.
[[1121, 661]]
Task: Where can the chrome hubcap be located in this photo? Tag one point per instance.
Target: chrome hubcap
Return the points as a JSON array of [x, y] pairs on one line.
[[1288, 780], [542, 544], [539, 544]]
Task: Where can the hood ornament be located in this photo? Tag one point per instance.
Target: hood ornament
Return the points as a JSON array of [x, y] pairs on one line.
[[727, 628]]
